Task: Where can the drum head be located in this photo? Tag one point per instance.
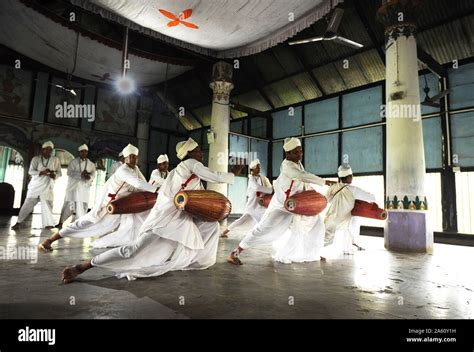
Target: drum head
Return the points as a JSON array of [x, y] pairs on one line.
[[290, 204]]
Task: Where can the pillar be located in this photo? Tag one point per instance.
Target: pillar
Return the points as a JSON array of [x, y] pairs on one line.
[[407, 228], [221, 86]]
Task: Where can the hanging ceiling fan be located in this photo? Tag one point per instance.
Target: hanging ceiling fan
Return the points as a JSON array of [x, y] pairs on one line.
[[331, 32], [433, 101]]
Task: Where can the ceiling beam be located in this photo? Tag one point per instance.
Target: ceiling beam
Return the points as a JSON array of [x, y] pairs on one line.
[[247, 109], [368, 28], [432, 65]]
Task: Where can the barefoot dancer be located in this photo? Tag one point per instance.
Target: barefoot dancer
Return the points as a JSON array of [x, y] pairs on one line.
[[170, 239], [307, 231], [98, 222], [339, 221], [253, 212]]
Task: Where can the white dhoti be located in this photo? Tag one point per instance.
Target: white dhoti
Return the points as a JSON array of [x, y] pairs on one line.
[[99, 223], [299, 238], [40, 189], [170, 239], [151, 255]]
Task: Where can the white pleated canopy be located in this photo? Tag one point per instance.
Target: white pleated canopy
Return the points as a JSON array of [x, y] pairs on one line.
[[221, 28]]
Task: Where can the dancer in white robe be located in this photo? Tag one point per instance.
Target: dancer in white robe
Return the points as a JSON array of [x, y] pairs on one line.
[[130, 224], [98, 222], [170, 239], [253, 212], [159, 175], [81, 174], [44, 170], [343, 229], [306, 233], [116, 165]]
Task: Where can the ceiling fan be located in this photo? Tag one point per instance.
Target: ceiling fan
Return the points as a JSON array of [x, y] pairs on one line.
[[433, 101], [331, 32]]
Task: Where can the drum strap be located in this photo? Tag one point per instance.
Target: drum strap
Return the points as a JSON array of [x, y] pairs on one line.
[[112, 196], [185, 184], [339, 190], [289, 189]]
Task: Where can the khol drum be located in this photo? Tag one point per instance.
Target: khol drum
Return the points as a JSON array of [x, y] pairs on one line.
[[368, 210], [203, 205], [306, 203], [133, 203]]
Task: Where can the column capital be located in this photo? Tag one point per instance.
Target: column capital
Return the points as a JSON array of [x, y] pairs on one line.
[[399, 18], [221, 91]]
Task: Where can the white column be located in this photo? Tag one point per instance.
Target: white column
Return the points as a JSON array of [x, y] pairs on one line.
[[221, 86], [407, 228]]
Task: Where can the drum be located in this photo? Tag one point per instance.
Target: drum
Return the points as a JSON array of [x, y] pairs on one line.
[[264, 200], [368, 210], [203, 205], [306, 203], [133, 203]]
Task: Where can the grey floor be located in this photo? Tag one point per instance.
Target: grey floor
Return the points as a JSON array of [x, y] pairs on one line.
[[373, 284]]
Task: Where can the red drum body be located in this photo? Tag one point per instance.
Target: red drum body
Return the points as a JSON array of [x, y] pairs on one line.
[[203, 205], [308, 203], [133, 203], [368, 210]]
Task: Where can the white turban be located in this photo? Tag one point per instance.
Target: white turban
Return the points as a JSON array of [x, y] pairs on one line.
[[291, 143], [83, 147], [120, 154], [182, 148], [162, 158], [129, 149], [344, 170], [48, 144], [254, 164]]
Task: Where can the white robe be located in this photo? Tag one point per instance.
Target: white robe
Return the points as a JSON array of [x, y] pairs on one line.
[[77, 189], [41, 187], [296, 238], [170, 239], [158, 178], [343, 229], [98, 222], [253, 212]]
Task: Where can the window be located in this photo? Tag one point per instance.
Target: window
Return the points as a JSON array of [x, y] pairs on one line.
[[465, 201]]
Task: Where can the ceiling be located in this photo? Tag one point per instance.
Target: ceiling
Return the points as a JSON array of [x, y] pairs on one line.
[[220, 28], [284, 75], [278, 76]]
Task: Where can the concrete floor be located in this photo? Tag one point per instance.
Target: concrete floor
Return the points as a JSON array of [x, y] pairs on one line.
[[373, 284]]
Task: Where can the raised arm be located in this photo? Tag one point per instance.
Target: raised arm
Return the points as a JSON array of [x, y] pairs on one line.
[[128, 176], [292, 171], [361, 194], [206, 174]]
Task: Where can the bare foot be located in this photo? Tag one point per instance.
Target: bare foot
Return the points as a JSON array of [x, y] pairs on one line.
[[70, 273], [322, 259], [45, 246], [224, 234], [234, 258]]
